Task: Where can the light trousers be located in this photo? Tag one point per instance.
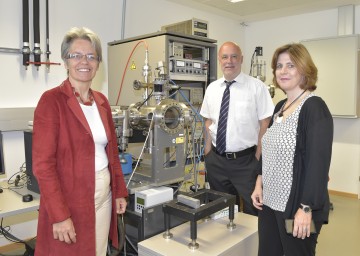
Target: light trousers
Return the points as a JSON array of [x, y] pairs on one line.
[[102, 210]]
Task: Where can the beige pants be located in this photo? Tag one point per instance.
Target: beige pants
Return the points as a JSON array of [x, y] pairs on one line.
[[102, 210]]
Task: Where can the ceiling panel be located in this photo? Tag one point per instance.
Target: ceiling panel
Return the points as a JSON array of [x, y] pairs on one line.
[[256, 10]]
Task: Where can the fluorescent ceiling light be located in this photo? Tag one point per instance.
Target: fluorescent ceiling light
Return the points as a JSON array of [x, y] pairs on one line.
[[235, 1]]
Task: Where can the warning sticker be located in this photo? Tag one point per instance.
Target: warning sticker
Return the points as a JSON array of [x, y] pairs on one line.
[[179, 140]]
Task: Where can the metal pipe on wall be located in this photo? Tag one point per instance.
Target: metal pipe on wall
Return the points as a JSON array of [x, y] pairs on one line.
[[123, 19], [10, 50], [36, 24], [47, 37], [26, 45], [25, 50]]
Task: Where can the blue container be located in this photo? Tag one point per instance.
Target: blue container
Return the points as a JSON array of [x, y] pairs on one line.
[[126, 163]]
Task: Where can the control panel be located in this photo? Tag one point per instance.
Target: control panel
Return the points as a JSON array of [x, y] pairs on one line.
[[187, 60], [188, 67], [152, 196]]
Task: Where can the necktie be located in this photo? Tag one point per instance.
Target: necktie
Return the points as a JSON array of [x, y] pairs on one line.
[[223, 117]]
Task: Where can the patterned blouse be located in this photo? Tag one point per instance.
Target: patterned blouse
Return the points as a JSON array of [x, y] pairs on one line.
[[278, 148]]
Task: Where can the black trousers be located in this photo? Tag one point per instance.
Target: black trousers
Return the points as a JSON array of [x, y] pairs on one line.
[[274, 241], [236, 177]]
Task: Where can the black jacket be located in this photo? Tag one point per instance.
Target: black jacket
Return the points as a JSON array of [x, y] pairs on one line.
[[312, 159]]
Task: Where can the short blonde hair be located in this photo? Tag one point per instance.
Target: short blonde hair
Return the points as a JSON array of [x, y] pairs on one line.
[[80, 33]]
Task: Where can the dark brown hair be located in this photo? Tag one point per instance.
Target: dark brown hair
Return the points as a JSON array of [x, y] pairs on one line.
[[303, 62]]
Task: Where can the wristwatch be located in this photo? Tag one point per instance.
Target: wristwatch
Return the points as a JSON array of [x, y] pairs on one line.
[[305, 208]]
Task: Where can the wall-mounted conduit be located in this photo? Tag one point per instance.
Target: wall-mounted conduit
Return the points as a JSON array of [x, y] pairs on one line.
[[26, 44], [25, 51], [47, 38], [36, 24]]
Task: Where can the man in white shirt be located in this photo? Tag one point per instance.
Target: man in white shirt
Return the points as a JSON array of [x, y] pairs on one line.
[[231, 169]]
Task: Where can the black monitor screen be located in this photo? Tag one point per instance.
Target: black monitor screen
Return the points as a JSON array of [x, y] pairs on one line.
[[2, 166]]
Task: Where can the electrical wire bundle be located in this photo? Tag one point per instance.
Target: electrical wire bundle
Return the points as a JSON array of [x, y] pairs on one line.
[[21, 178], [5, 232], [17, 181]]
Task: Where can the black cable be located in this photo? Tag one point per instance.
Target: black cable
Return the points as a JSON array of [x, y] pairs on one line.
[[18, 183], [121, 235], [36, 26], [169, 159], [19, 176], [11, 188], [131, 244], [142, 103], [10, 237], [26, 47], [12, 182], [175, 91], [47, 31], [252, 62], [122, 232]]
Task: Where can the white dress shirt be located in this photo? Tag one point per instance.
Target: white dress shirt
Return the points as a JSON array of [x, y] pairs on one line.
[[250, 102]]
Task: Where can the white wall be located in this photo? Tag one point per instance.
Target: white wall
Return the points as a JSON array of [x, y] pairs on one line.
[[20, 88], [23, 88], [270, 34]]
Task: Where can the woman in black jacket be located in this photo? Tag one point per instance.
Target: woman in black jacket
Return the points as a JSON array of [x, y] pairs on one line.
[[296, 155]]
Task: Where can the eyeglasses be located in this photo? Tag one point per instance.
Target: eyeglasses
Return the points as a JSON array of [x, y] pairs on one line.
[[79, 56]]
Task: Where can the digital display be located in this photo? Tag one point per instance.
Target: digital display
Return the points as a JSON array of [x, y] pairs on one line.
[[197, 33], [180, 63], [197, 65], [200, 25], [140, 201]]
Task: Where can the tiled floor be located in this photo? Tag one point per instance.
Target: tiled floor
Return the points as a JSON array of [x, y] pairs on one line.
[[341, 237]]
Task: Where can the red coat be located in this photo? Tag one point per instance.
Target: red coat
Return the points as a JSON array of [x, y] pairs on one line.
[[64, 165]]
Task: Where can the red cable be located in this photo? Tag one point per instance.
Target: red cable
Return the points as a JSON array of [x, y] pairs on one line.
[[127, 63], [42, 63]]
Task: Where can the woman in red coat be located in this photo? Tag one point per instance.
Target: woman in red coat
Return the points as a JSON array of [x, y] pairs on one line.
[[75, 158]]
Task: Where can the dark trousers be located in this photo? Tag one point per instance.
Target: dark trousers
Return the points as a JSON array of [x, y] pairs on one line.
[[274, 241], [236, 177]]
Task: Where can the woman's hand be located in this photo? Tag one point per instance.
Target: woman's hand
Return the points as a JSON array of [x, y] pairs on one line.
[[64, 231], [302, 223], [120, 205], [257, 195]]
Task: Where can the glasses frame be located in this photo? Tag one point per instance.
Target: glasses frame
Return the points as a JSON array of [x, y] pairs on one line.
[[79, 56]]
